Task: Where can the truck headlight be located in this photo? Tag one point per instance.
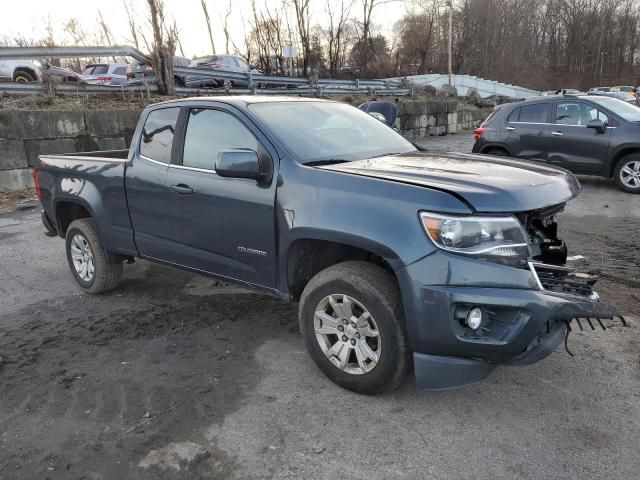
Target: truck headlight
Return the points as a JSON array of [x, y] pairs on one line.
[[494, 238]]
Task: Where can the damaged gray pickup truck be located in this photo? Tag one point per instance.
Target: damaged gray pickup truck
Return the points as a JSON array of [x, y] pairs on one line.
[[448, 264]]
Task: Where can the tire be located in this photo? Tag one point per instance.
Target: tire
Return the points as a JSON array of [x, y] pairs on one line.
[[498, 152], [107, 271], [370, 289], [627, 173], [23, 76]]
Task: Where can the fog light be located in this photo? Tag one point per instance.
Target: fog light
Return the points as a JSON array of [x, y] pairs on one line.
[[474, 318]]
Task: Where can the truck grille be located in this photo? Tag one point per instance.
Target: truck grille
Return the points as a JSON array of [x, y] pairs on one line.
[[565, 280]]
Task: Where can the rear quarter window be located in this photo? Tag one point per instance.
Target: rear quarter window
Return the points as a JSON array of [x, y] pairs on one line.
[[514, 115], [100, 69], [536, 113], [120, 71], [158, 133]]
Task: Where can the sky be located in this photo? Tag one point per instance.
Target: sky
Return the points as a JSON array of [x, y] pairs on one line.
[[31, 18]]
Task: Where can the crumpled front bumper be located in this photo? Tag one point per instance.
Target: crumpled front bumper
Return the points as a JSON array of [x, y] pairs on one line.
[[523, 322]]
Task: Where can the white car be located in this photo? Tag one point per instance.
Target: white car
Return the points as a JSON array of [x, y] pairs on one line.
[[111, 74], [20, 70]]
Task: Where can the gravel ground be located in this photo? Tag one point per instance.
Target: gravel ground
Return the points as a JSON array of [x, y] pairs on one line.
[[220, 377]]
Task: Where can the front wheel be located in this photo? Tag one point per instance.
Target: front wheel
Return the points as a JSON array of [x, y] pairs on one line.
[[23, 76], [627, 173], [94, 270], [353, 327]]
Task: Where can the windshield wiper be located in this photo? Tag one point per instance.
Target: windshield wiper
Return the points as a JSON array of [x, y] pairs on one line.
[[332, 161]]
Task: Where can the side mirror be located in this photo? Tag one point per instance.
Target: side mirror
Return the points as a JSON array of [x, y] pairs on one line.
[[378, 116], [597, 124], [242, 164]]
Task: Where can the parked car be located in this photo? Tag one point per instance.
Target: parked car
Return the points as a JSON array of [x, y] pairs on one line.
[[549, 92], [139, 72], [60, 74], [587, 134], [599, 89], [223, 63], [623, 88], [624, 96], [34, 70], [447, 263], [20, 70], [111, 74]]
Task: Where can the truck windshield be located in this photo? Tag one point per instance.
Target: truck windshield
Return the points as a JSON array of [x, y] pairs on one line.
[[626, 110], [316, 131]]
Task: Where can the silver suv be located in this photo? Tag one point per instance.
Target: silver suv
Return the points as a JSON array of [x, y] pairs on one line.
[[20, 70]]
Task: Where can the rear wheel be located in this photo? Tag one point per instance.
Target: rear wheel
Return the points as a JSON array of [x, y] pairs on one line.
[[23, 76], [353, 327], [94, 270], [627, 173]]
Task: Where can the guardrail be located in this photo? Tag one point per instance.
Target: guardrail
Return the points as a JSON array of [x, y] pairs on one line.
[[240, 82], [74, 89]]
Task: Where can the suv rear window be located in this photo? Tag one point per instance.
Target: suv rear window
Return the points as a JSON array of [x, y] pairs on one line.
[[536, 113], [157, 135]]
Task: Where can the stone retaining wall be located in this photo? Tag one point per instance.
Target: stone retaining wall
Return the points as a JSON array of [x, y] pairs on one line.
[[420, 119], [26, 134]]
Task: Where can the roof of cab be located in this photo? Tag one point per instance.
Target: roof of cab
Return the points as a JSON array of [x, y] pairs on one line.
[[241, 100]]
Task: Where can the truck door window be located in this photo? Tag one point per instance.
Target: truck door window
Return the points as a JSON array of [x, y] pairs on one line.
[[208, 132], [157, 135]]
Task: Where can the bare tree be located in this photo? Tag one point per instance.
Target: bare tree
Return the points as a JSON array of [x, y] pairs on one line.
[[304, 31], [131, 18], [364, 23], [163, 48], [206, 18], [226, 28], [335, 33]]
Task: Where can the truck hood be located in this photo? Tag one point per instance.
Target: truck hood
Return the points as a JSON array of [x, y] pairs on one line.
[[487, 184]]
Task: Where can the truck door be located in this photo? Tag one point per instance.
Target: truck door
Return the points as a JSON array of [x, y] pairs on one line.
[[147, 194], [224, 226], [574, 146]]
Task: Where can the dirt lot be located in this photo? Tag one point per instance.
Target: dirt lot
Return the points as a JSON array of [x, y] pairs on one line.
[[226, 389]]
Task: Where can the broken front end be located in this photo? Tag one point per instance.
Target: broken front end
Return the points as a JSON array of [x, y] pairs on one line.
[[467, 315]]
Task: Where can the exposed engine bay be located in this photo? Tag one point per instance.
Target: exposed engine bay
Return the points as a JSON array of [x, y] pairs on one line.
[[542, 230]]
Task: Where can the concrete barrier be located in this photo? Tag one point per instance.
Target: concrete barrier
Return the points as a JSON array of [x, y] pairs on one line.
[[26, 134], [423, 118]]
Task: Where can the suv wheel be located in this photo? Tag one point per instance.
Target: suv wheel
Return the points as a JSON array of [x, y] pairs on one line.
[[353, 327], [94, 269], [23, 76], [627, 173]]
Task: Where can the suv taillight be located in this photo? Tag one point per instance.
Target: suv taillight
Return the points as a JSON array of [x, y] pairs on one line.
[[477, 133], [36, 182], [103, 79]]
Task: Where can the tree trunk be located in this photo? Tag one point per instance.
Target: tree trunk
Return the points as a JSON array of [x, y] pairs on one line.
[[163, 64]]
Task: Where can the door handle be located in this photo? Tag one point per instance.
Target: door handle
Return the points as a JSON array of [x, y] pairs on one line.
[[510, 129], [557, 134], [182, 189]]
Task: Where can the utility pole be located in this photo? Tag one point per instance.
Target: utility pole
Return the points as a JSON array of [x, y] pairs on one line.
[[450, 39]]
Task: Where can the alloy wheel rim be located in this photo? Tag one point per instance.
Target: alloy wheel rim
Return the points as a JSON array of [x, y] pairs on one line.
[[630, 174], [82, 257], [347, 334]]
